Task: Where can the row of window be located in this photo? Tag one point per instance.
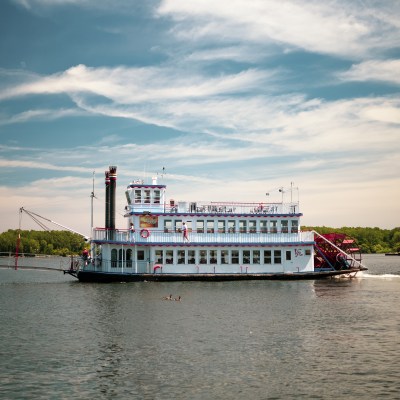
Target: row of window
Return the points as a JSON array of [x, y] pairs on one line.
[[233, 226], [203, 256], [147, 196]]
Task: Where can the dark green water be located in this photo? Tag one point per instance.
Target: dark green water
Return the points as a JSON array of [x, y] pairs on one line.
[[60, 339]]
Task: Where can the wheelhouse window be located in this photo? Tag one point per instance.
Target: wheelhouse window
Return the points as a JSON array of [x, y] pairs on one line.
[[221, 226], [267, 256], [277, 257], [295, 226], [147, 196], [284, 226], [157, 196], [138, 196], [210, 226], [242, 226], [231, 226], [274, 226]]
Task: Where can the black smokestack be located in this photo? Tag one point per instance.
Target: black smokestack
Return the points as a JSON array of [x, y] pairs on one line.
[[113, 186], [107, 201]]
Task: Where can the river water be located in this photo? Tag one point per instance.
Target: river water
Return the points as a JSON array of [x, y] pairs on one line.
[[334, 339]]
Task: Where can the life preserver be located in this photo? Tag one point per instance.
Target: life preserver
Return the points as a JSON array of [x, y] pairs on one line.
[[144, 233]]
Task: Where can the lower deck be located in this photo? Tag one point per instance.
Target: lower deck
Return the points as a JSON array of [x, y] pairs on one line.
[[189, 259]]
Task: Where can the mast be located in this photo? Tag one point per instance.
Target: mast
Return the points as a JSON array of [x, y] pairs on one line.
[[18, 239], [92, 196]]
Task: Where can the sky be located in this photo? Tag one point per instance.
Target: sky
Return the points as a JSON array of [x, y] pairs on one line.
[[232, 98]]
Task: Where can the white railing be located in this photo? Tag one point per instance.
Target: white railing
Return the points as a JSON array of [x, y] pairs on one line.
[[139, 237], [219, 208]]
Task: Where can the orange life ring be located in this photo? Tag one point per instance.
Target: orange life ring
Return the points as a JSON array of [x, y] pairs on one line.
[[144, 233]]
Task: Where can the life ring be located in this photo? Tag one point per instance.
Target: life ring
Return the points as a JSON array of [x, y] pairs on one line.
[[144, 233]]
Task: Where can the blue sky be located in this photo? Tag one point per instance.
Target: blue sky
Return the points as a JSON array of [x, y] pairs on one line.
[[234, 98]]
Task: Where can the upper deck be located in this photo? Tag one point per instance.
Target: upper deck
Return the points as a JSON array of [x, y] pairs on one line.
[[145, 198]]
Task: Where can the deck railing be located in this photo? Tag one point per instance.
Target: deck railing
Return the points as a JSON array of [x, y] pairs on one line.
[[219, 208], [145, 236]]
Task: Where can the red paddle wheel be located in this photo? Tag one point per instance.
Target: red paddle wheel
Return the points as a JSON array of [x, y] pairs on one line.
[[336, 251]]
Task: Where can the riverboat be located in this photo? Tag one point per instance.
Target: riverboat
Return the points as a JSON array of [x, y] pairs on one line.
[[166, 239]]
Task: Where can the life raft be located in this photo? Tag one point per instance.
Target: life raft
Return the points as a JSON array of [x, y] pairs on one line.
[[144, 233]]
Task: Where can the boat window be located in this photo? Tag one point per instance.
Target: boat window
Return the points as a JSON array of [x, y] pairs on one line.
[[189, 226], [231, 226], [213, 256], [181, 256], [169, 256], [224, 257], [210, 226], [121, 254], [114, 257], [147, 196], [178, 225], [235, 257], [256, 257], [284, 226], [295, 226], [203, 257], [264, 226], [200, 226], [159, 257], [246, 256], [221, 226], [167, 225], [191, 257], [288, 255], [274, 226], [140, 255], [308, 252], [138, 196], [252, 226], [157, 196], [277, 257], [267, 257], [129, 258], [242, 226]]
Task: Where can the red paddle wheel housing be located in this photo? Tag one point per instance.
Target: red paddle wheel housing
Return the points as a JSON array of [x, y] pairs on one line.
[[336, 251]]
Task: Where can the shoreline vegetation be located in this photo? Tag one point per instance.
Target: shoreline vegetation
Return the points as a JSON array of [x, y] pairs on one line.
[[65, 243]]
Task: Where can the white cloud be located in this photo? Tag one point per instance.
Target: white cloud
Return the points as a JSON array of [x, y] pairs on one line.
[[374, 70], [339, 27]]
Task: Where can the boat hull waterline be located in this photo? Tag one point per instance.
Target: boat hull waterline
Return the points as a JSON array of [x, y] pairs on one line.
[[110, 277]]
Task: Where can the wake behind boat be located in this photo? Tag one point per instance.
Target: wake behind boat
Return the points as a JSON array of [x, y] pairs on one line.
[[176, 240]]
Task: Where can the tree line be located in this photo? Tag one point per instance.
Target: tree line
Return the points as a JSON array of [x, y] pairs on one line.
[[63, 243], [369, 240], [60, 243]]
